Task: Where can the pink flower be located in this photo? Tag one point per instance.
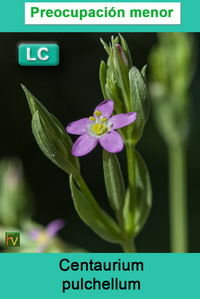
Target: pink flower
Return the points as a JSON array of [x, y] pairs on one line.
[[44, 236], [100, 128]]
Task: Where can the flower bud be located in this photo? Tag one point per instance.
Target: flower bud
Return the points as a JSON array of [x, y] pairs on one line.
[[126, 86], [122, 57]]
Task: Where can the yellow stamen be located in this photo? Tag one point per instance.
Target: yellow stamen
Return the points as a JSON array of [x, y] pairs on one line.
[[99, 129], [91, 118], [104, 119], [98, 113], [42, 237]]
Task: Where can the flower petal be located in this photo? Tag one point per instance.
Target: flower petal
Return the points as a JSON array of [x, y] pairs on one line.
[[78, 127], [122, 120], [54, 226], [34, 234], [83, 145], [112, 142], [106, 108]]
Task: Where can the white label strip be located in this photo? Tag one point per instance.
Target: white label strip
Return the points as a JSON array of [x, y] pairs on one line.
[[102, 13]]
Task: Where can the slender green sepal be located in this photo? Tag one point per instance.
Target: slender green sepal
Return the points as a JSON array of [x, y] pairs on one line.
[[106, 47]]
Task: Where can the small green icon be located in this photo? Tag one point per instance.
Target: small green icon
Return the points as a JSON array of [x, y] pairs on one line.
[[12, 239], [38, 54]]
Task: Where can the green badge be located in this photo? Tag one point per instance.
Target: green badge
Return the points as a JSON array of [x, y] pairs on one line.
[[38, 54], [12, 239]]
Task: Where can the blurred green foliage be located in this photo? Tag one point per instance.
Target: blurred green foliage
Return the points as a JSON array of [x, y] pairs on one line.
[[172, 63], [15, 214]]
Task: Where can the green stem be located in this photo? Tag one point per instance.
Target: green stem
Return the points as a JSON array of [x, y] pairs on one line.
[[178, 199], [129, 246], [130, 150]]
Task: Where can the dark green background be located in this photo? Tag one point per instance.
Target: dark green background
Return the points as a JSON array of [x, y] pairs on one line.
[[71, 91]]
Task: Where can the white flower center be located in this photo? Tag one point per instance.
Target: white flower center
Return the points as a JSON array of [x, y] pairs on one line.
[[99, 125]]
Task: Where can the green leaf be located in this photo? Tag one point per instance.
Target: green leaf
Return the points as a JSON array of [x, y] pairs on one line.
[[114, 181], [50, 144], [61, 140], [139, 101], [135, 219], [93, 215]]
